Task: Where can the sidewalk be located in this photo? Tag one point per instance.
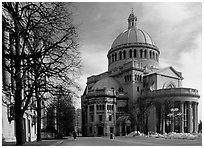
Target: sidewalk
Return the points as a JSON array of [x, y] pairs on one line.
[[53, 142]]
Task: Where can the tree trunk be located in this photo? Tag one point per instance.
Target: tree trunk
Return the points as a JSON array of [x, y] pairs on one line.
[[20, 129], [38, 119], [38, 109]]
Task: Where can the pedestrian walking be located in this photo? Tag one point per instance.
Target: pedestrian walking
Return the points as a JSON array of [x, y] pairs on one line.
[[74, 135]]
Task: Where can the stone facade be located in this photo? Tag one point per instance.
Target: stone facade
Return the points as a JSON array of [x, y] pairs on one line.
[[134, 76], [8, 122]]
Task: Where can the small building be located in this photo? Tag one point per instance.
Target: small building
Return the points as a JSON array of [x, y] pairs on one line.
[[135, 90]]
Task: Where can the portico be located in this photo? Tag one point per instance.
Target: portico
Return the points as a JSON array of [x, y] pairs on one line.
[[177, 111]]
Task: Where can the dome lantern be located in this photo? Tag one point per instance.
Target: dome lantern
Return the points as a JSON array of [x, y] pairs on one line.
[[132, 20]]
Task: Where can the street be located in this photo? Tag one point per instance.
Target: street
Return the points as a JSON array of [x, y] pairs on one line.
[[129, 141]]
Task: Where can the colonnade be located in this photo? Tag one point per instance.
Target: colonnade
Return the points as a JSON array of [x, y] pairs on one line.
[[186, 118], [136, 53]]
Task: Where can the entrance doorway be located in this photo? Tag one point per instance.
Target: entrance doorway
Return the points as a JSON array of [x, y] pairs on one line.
[[100, 131], [128, 129]]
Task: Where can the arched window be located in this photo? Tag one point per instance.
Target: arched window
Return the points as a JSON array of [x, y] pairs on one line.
[[150, 54], [120, 55], [145, 54], [135, 53], [112, 57], [124, 54], [169, 85], [130, 53], [153, 55], [141, 53], [115, 56]]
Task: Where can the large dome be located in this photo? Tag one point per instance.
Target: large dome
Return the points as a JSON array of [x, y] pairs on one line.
[[133, 35], [107, 82]]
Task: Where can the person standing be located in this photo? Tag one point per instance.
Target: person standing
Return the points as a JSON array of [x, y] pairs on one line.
[[74, 135]]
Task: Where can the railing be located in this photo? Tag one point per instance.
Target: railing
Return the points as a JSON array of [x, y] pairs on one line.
[[133, 44], [171, 92], [106, 92]]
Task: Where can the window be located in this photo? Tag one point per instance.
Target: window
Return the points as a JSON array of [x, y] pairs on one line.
[[145, 54], [130, 53], [128, 78], [120, 55], [110, 117], [122, 109], [115, 56], [138, 89], [92, 118], [135, 53], [91, 108], [124, 54], [100, 118], [100, 107]]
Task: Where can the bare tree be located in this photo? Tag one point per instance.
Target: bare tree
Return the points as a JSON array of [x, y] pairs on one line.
[[62, 111], [40, 53], [139, 114]]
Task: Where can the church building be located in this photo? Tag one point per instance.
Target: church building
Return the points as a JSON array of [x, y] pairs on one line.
[[134, 94]]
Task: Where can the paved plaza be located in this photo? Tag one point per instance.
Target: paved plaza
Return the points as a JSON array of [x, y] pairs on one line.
[[130, 141], [118, 141]]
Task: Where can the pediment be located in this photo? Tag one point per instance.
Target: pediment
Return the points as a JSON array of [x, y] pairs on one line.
[[170, 72]]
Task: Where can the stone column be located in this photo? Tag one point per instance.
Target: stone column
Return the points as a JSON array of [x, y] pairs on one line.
[[120, 130], [138, 53], [95, 113], [182, 117], [105, 117], [114, 118], [143, 54], [163, 117], [172, 119], [189, 117], [196, 117], [95, 119]]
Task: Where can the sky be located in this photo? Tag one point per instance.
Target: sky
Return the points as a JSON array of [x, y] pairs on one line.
[[176, 28]]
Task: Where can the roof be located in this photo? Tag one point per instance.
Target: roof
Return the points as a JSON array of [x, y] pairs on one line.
[[163, 70], [107, 82], [122, 119], [133, 35]]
